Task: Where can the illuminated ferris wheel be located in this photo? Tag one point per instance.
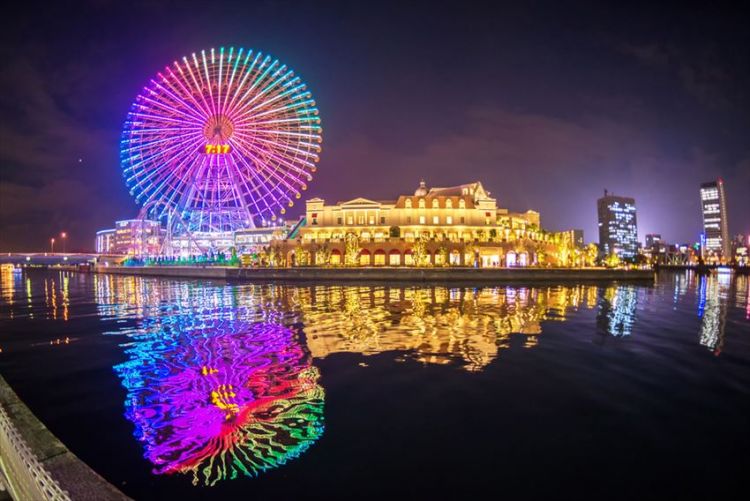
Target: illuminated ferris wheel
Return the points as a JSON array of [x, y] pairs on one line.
[[221, 140]]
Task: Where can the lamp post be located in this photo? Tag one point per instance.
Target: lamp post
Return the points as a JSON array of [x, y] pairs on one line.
[[52, 245], [64, 236]]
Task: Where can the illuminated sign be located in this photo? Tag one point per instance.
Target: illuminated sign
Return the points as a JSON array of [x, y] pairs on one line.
[[217, 149]]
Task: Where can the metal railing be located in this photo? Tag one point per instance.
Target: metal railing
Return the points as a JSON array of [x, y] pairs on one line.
[[21, 473]]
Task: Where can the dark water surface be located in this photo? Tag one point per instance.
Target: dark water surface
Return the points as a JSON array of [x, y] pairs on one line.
[[179, 389]]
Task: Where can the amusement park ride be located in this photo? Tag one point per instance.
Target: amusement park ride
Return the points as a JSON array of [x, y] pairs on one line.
[[217, 142]]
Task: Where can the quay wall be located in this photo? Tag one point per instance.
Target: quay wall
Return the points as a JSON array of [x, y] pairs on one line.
[[471, 275]]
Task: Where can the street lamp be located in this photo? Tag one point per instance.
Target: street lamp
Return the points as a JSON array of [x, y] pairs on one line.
[[52, 245], [64, 237]]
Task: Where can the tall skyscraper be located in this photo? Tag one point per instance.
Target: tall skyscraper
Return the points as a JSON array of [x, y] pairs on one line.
[[715, 225], [618, 229]]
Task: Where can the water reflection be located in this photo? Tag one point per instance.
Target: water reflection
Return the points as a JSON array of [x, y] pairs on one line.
[[616, 311], [221, 381], [220, 398], [712, 309]]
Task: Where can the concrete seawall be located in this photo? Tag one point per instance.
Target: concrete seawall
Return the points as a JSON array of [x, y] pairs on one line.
[[36, 465], [470, 275]]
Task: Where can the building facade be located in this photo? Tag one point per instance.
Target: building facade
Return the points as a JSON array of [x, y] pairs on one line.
[[715, 225], [105, 241], [137, 237], [574, 236], [459, 225], [618, 227]]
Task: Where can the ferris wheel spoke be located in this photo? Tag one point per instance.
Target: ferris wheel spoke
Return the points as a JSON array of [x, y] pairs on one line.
[[152, 177], [245, 110], [201, 108], [290, 165], [275, 84], [185, 110], [259, 187], [197, 85], [247, 72], [271, 172], [260, 77]]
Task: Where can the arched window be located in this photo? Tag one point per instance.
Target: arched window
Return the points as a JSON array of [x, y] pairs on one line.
[[462, 204], [421, 203], [449, 204], [407, 204], [435, 204]]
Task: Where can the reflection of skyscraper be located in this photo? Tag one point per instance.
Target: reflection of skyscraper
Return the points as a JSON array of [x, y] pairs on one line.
[[616, 315], [618, 228], [715, 225], [712, 309]]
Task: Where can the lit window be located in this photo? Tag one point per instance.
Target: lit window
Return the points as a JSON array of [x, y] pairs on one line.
[[407, 204], [449, 204], [435, 204], [462, 204], [435, 220], [372, 220], [421, 219], [349, 219], [421, 203], [449, 220]]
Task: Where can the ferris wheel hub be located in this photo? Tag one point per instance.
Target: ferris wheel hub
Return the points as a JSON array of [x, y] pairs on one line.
[[218, 129]]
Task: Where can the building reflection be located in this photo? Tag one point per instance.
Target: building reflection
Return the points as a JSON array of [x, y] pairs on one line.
[[713, 298], [431, 324], [616, 311]]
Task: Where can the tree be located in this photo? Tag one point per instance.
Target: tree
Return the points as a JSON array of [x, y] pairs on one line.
[[612, 261], [419, 251], [323, 255], [351, 253], [443, 253], [591, 254]]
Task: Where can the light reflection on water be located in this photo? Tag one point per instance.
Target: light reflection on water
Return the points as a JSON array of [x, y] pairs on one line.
[[221, 380]]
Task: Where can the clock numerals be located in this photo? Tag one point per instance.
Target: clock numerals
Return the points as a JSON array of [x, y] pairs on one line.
[[217, 149]]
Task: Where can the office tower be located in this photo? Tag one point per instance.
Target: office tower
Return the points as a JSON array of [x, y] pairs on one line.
[[715, 225], [618, 229]]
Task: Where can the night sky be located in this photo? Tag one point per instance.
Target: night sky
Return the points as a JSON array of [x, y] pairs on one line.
[[546, 105]]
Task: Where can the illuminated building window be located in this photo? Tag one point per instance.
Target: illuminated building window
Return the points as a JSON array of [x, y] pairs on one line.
[[449, 204], [407, 204], [462, 204], [349, 219], [371, 220], [449, 220], [421, 203], [361, 219], [435, 220], [435, 204], [421, 220]]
